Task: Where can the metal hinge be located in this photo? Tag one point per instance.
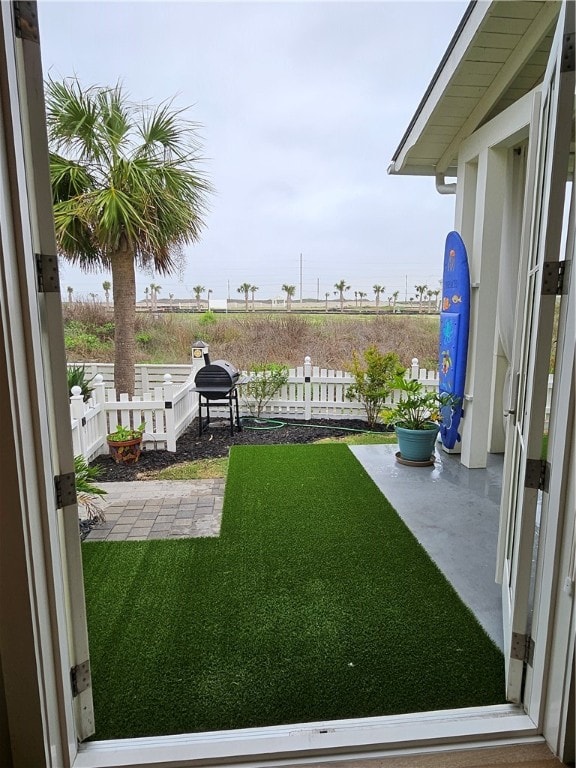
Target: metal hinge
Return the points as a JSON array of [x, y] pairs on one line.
[[80, 677], [537, 474], [47, 273], [26, 21], [568, 56], [554, 278], [522, 648], [65, 486]]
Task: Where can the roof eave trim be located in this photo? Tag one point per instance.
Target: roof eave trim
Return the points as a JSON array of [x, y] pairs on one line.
[[463, 36]]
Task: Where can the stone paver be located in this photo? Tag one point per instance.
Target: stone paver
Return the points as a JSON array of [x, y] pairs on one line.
[[160, 509]]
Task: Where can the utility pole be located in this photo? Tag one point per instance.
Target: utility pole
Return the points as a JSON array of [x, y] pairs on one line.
[[317, 289], [300, 278], [406, 289]]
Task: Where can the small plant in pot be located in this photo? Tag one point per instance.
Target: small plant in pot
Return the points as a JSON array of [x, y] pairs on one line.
[[416, 417], [125, 443]]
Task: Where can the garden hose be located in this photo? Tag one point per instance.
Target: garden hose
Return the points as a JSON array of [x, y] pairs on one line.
[[275, 424]]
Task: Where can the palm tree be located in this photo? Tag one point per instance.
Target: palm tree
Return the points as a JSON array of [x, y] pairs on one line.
[[437, 293], [107, 285], [245, 289], [395, 297], [420, 291], [326, 297], [171, 299], [429, 293], [126, 193], [70, 292], [253, 289], [340, 288], [378, 290], [146, 292], [198, 291], [289, 290], [93, 296], [361, 296], [356, 299], [154, 291], [210, 292]]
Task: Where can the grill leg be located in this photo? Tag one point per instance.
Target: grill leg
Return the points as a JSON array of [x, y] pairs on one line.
[[238, 422]]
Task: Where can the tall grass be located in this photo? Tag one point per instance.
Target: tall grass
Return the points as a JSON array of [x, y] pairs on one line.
[[249, 339]]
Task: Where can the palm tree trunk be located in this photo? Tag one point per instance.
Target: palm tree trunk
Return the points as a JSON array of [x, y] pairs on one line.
[[124, 295]]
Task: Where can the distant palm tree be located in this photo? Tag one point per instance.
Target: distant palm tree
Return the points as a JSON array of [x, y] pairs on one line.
[[146, 292], [361, 297], [437, 293], [70, 292], [326, 297], [171, 298], [107, 285], [356, 299], [289, 290], [210, 292], [93, 296], [154, 291], [245, 289], [378, 290], [341, 287], [420, 291], [126, 193], [429, 293], [395, 297], [198, 291], [253, 289]]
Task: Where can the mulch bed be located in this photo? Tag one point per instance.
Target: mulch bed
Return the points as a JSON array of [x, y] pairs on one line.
[[216, 442]]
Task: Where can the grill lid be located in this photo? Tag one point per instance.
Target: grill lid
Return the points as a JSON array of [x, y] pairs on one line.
[[219, 376]]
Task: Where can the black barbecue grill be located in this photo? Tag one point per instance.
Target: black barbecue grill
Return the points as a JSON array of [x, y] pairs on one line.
[[216, 384]]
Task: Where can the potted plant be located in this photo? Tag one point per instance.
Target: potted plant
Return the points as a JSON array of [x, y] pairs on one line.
[[416, 417], [125, 444]]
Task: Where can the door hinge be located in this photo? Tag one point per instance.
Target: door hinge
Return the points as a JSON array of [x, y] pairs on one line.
[[537, 474], [65, 486], [555, 278], [522, 648], [80, 677], [26, 21], [568, 56], [47, 275]]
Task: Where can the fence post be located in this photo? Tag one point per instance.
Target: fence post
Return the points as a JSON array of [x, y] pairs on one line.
[[415, 369], [307, 387], [99, 398], [169, 422], [77, 411]]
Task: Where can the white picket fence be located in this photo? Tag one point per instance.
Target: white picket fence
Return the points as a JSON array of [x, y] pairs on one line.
[[167, 404], [165, 410]]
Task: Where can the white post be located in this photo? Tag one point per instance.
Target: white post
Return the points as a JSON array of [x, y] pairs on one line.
[[77, 411], [99, 399], [169, 413], [307, 387], [200, 356], [415, 369]]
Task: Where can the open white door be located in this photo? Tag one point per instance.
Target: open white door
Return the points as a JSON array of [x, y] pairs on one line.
[[34, 313], [525, 470]]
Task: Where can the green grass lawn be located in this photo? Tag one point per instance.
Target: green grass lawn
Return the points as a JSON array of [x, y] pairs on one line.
[[315, 603]]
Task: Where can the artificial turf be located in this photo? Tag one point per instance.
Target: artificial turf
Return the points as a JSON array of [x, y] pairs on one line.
[[315, 603]]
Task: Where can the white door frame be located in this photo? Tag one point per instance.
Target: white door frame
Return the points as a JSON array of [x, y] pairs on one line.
[[50, 726]]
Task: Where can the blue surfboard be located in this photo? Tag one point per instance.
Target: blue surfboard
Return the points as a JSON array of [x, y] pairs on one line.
[[454, 328]]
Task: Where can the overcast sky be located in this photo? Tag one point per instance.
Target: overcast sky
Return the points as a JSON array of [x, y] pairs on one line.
[[302, 105]]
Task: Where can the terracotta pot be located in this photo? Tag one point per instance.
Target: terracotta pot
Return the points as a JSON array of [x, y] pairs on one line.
[[125, 451]]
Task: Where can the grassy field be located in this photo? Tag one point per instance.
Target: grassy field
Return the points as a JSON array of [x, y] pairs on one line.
[[248, 338]]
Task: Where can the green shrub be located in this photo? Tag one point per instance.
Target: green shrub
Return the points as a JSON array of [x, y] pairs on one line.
[[373, 380], [76, 375], [267, 379], [207, 318]]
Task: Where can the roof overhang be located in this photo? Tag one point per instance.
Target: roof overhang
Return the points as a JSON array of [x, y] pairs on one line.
[[498, 54]]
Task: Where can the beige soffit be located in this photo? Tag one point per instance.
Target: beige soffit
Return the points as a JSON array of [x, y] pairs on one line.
[[498, 53]]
